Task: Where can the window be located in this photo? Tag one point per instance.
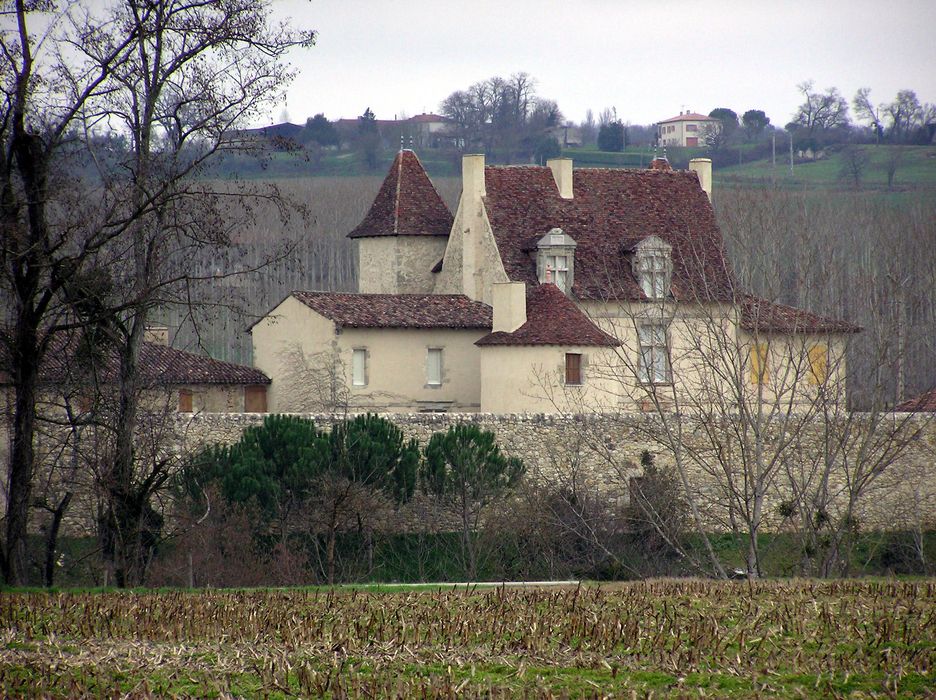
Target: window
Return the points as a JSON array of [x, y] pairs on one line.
[[185, 401], [692, 127], [555, 259], [653, 366], [359, 367], [255, 399], [818, 364], [573, 368], [759, 372], [653, 267], [434, 367], [557, 270]]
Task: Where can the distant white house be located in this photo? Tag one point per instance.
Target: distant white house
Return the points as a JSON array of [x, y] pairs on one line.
[[685, 130]]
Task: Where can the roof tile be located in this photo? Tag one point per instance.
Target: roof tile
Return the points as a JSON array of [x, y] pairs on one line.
[[611, 211], [407, 204], [398, 310], [552, 319], [766, 316]]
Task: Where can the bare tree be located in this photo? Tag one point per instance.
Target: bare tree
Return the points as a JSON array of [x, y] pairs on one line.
[[173, 78]]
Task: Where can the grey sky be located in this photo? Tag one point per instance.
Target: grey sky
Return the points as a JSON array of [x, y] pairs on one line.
[[648, 58]]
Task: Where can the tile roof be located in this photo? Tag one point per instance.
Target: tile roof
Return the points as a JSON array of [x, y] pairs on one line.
[[552, 319], [924, 402], [159, 365], [692, 117], [766, 316], [398, 310], [610, 212], [407, 204]]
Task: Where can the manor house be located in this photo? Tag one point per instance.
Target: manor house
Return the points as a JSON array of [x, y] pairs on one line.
[[550, 289]]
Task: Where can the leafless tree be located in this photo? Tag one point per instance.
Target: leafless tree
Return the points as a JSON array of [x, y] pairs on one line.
[[90, 237]]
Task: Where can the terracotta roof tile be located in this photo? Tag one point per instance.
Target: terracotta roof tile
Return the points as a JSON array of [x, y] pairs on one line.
[[407, 204], [610, 212], [160, 366], [552, 319], [692, 117], [398, 310], [766, 316], [924, 402]]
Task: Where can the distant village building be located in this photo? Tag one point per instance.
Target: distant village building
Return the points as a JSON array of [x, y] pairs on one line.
[[685, 130]]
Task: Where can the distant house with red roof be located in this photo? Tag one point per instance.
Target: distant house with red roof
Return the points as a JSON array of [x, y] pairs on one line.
[[549, 289], [685, 130]]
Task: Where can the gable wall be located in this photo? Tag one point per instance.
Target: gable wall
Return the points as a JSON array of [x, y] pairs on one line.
[[472, 262]]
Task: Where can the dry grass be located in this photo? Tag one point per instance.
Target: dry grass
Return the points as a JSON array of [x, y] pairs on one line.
[[682, 638]]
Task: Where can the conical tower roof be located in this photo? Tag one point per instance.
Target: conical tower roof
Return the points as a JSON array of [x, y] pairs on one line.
[[406, 205]]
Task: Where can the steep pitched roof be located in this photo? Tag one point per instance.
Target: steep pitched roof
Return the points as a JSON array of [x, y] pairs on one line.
[[159, 366], [552, 319], [924, 402], [407, 204], [766, 316], [398, 310], [689, 117], [609, 213]]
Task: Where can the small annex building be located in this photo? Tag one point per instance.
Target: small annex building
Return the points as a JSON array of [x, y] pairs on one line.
[[549, 289]]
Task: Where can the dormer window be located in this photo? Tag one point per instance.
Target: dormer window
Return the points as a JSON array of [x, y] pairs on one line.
[[653, 267], [555, 259]]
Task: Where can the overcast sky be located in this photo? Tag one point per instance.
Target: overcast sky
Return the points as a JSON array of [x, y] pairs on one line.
[[650, 59]]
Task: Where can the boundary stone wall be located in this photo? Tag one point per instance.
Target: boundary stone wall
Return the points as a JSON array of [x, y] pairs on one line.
[[603, 452]]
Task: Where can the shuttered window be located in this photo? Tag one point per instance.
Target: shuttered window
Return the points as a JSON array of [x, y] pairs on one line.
[[759, 370], [255, 399], [185, 401], [818, 364], [573, 368]]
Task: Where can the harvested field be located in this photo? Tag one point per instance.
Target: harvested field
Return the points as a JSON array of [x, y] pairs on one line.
[[669, 638]]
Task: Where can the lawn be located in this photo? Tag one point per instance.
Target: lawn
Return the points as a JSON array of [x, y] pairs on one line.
[[675, 638], [917, 168]]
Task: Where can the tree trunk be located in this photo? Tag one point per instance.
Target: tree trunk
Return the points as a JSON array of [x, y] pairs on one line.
[[52, 538], [330, 554], [22, 459]]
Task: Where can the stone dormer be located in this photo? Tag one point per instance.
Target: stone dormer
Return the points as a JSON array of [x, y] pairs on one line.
[[653, 267], [404, 232], [555, 259]]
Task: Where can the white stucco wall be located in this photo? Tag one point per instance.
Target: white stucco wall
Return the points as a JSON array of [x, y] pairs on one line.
[[396, 364]]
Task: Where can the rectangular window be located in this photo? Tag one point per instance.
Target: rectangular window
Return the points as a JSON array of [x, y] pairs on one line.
[[557, 268], [434, 367], [654, 365], [255, 399], [818, 364], [185, 401], [573, 368], [759, 371], [359, 367], [692, 127]]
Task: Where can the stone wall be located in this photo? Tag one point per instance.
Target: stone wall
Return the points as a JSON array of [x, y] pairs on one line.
[[603, 453]]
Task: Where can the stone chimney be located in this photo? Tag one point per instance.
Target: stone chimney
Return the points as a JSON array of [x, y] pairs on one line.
[[156, 334], [703, 168], [562, 174], [509, 302], [473, 176]]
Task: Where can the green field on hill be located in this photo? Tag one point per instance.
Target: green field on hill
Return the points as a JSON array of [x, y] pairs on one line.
[[668, 638]]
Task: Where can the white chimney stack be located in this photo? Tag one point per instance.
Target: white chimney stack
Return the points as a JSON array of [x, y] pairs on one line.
[[509, 302], [473, 175], [703, 168], [562, 174]]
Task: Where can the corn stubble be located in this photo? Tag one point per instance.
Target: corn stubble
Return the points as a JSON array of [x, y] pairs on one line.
[[665, 638]]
